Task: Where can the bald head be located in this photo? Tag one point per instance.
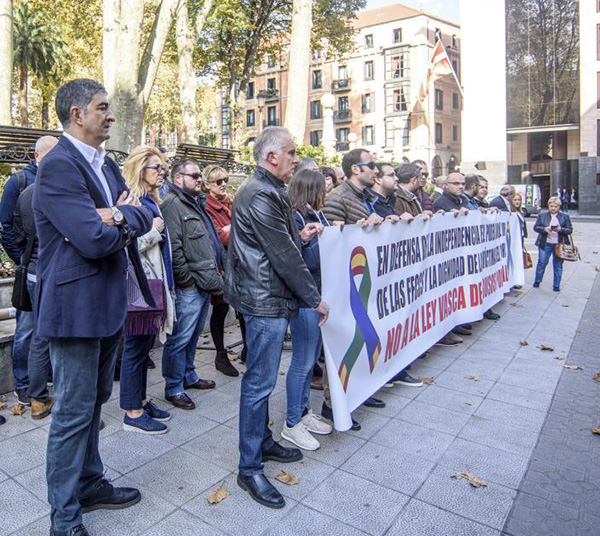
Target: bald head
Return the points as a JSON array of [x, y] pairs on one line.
[[455, 184], [440, 181], [43, 146]]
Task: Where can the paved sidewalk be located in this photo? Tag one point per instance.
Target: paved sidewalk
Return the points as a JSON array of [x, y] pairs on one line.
[[523, 428]]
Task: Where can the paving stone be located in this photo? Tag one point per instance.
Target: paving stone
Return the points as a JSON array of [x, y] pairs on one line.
[[507, 437], [458, 382], [138, 518], [185, 425], [520, 396], [139, 449], [434, 417], [218, 445], [178, 476], [511, 414], [238, 513], [181, 523], [399, 471], [218, 406], [18, 507], [412, 439], [15, 425], [451, 400], [23, 452], [487, 505], [421, 519], [304, 521], [370, 422], [310, 474], [493, 465], [335, 448], [486, 370], [357, 502], [41, 527], [396, 398]]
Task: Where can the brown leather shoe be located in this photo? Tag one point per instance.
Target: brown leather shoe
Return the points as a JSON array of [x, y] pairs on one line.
[[201, 384], [40, 410]]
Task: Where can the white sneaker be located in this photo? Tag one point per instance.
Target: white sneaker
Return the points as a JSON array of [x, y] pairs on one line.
[[300, 436], [316, 424]]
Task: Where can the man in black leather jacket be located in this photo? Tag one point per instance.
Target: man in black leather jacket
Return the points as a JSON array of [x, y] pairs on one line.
[[266, 281]]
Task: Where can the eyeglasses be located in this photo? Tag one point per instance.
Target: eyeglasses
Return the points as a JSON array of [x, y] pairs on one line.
[[156, 167], [219, 182], [370, 165], [195, 176]]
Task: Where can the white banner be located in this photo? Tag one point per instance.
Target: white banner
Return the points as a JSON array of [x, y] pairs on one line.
[[395, 290]]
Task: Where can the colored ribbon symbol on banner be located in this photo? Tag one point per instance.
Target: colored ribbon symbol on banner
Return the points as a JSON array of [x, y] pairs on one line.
[[365, 333]]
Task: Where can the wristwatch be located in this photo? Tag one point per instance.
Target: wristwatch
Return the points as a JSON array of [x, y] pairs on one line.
[[117, 216]]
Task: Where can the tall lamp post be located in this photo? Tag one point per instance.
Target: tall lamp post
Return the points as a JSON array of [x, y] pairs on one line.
[[328, 139], [260, 98]]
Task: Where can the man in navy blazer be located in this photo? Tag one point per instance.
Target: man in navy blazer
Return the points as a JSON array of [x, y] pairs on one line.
[[503, 201], [86, 223]]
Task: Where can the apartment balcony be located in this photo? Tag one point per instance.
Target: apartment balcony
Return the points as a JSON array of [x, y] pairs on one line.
[[268, 95], [271, 123], [341, 85], [342, 116], [342, 146]]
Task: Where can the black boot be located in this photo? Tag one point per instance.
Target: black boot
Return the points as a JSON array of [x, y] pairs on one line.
[[244, 354], [222, 364]]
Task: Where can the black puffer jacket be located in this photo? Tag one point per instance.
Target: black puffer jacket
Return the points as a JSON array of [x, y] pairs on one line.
[[266, 275], [194, 256]]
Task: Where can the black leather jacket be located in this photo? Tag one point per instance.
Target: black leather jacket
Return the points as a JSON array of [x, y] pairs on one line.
[[543, 221], [194, 255], [265, 274]]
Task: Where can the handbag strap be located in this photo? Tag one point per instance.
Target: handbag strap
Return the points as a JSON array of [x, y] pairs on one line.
[[28, 251]]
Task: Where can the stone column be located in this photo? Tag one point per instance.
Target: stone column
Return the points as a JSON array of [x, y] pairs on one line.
[[399, 124], [328, 140]]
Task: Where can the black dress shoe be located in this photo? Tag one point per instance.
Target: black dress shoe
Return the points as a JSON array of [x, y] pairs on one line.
[[490, 315], [201, 384], [150, 363], [79, 530], [327, 413], [317, 371], [182, 401], [467, 326], [374, 403], [261, 490], [459, 330], [277, 453], [2, 420], [108, 497]]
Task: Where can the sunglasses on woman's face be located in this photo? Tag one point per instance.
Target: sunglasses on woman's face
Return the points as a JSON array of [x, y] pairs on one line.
[[156, 167], [219, 182]]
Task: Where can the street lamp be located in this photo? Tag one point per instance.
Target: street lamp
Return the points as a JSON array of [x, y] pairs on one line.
[[328, 139], [260, 98]]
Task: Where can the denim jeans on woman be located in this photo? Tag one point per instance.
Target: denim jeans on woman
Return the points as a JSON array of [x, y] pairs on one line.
[[134, 372], [191, 308], [264, 338], [544, 257], [306, 348], [38, 364], [21, 342]]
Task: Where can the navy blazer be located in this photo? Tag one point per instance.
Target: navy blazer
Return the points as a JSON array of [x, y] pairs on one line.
[[82, 263], [498, 202]]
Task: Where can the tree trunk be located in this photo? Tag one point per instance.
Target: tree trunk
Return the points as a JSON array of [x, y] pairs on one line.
[[45, 113], [186, 76], [23, 95], [128, 81], [297, 95], [6, 60]]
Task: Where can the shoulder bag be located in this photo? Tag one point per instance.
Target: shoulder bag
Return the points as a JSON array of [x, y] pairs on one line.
[[567, 250]]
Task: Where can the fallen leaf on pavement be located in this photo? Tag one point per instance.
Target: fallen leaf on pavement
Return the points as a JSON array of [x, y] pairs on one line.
[[564, 306], [17, 409], [474, 378], [545, 348], [217, 495], [287, 478], [426, 379], [524, 343], [469, 403], [597, 376], [596, 430], [471, 479], [281, 372], [2, 405], [573, 367], [515, 304], [270, 423], [558, 358]]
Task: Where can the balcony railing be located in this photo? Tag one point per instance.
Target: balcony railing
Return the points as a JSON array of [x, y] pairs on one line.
[[269, 95], [271, 123], [342, 84], [342, 116], [342, 146]]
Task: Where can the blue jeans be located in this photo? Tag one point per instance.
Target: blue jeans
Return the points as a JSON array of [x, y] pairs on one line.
[[191, 307], [20, 354], [264, 338], [38, 365], [83, 376], [134, 373], [543, 260], [306, 348]]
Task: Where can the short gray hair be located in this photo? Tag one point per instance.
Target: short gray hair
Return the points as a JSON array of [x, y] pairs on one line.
[[78, 92], [269, 141], [507, 190]]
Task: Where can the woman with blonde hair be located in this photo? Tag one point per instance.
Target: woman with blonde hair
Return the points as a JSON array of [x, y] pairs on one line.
[[553, 227], [218, 206], [144, 172]]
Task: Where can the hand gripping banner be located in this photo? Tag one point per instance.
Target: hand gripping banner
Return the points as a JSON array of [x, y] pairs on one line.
[[365, 333]]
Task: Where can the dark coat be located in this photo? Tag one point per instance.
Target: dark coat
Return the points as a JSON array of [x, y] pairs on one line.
[[425, 200], [384, 206], [24, 226], [266, 274], [448, 202], [310, 250], [499, 202], [82, 264], [195, 258], [406, 203], [543, 221], [10, 195]]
